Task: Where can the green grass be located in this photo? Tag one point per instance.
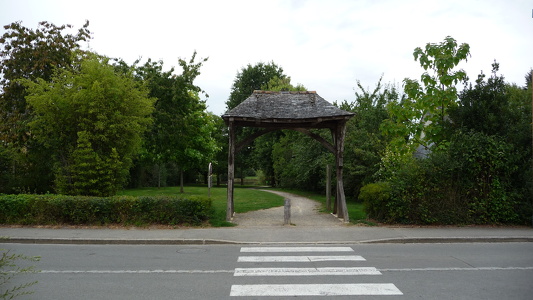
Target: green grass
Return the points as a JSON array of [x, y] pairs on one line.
[[245, 199], [355, 210]]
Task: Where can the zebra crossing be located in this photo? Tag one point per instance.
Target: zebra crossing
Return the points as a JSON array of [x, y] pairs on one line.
[[334, 254]]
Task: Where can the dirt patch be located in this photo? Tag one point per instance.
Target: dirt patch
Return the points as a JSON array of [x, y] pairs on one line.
[[304, 212]]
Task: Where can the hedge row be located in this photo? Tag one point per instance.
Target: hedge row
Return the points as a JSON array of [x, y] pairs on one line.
[[48, 209]]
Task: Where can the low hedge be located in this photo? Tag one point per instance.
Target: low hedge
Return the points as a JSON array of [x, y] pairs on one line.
[[27, 209]]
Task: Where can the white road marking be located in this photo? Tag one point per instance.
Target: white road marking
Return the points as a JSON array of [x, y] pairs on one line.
[[304, 271], [296, 249], [135, 271], [299, 258], [370, 289], [232, 271], [459, 269]]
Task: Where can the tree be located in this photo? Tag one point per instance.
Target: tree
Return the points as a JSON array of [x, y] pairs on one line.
[[300, 162], [182, 133], [422, 116], [485, 106], [29, 54], [262, 157], [277, 84], [157, 151], [247, 80], [252, 78], [92, 120], [365, 144]]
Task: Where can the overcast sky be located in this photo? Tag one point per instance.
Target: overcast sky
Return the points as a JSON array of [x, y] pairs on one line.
[[325, 45]]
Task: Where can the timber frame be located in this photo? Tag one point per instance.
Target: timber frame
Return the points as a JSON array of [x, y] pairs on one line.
[[299, 111]]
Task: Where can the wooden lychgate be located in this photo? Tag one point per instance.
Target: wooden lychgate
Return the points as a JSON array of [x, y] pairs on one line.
[[299, 111]]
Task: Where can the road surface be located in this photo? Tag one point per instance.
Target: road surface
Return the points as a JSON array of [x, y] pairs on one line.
[[368, 271]]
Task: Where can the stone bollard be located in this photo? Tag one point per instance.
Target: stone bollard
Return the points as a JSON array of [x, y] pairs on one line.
[[287, 212]]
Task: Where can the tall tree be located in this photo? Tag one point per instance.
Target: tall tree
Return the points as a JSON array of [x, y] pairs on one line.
[[182, 133], [262, 157], [422, 116], [252, 78], [92, 119], [27, 53], [31, 54], [365, 144], [246, 81]]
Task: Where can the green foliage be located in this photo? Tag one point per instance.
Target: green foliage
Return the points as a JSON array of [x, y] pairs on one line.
[[30, 54], [9, 269], [470, 183], [278, 84], [365, 144], [182, 132], [80, 210], [300, 161], [421, 117], [247, 80], [262, 157], [92, 120], [485, 107], [477, 169], [6, 162], [252, 78], [375, 197], [245, 200]]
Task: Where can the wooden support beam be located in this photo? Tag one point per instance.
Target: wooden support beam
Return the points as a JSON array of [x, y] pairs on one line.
[[340, 199], [252, 137], [231, 173], [328, 187], [317, 137]]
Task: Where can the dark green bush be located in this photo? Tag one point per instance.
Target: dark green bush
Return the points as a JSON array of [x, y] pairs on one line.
[[472, 182], [49, 209], [375, 197]]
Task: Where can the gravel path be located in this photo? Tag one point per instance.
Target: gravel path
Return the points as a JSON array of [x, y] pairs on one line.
[[304, 212]]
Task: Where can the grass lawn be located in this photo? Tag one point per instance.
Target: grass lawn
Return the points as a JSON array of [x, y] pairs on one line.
[[245, 199]]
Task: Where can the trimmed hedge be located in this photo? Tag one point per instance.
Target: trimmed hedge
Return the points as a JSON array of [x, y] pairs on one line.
[[27, 209]]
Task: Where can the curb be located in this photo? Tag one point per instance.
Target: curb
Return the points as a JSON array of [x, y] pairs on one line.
[[452, 240], [60, 241], [428, 240]]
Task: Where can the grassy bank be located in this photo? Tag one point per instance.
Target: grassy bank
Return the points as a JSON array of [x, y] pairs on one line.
[[245, 199]]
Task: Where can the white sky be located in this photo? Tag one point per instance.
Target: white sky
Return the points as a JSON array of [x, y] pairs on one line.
[[324, 45]]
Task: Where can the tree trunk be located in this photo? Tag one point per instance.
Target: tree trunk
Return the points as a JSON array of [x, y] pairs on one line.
[[181, 181], [158, 176]]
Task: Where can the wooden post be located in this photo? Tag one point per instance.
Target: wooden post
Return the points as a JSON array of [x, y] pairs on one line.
[[328, 187], [209, 179], [287, 212], [231, 172], [335, 152], [342, 210]]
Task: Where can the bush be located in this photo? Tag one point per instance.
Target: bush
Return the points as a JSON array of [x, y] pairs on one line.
[[473, 182], [375, 197], [80, 210]]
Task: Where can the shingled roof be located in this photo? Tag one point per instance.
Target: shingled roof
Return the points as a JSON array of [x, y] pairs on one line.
[[286, 109]]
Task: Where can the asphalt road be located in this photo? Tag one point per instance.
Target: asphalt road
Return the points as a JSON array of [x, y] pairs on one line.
[[386, 271]]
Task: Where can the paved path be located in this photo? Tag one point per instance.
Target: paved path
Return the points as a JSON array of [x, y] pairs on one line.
[[304, 212]]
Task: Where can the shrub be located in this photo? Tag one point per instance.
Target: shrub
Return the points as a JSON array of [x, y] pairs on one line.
[[472, 182], [80, 210], [375, 197]]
